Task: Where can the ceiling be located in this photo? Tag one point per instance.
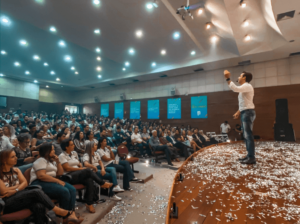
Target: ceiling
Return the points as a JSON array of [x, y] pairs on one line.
[[118, 21]]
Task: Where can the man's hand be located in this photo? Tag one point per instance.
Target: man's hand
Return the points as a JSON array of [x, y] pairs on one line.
[[95, 169], [236, 115], [227, 74]]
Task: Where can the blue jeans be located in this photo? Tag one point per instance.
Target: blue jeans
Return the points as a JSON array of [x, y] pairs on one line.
[[141, 148], [247, 119], [110, 175], [123, 167], [23, 168], [66, 195]]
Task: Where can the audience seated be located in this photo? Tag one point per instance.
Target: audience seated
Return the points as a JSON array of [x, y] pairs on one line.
[[137, 140], [79, 143], [9, 132], [120, 137]]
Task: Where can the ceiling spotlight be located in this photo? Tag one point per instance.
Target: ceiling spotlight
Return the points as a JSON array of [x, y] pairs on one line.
[[200, 11], [96, 2], [149, 5], [61, 43], [23, 43], [45, 64], [153, 64], [124, 69], [52, 73], [246, 23], [27, 73], [17, 64], [99, 76], [176, 35], [214, 38], [98, 49], [36, 57], [99, 68], [97, 31], [131, 51], [72, 68], [163, 52], [98, 59], [52, 29], [1, 75], [208, 26], [76, 73], [127, 63], [247, 37], [3, 52], [193, 52], [155, 3], [243, 3], [139, 33], [47, 86], [58, 79], [35, 81], [68, 58], [5, 21]]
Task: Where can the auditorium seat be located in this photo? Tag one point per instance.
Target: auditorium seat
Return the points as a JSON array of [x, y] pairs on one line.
[[16, 216], [157, 154], [123, 150]]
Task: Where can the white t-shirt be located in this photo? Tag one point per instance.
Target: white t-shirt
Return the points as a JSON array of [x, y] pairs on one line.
[[106, 153], [42, 164], [136, 137], [72, 159], [225, 128], [95, 159]]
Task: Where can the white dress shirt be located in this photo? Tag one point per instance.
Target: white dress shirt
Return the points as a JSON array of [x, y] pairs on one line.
[[246, 94]]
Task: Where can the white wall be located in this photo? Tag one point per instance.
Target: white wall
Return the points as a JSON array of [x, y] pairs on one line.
[[56, 96], [16, 88], [270, 73]]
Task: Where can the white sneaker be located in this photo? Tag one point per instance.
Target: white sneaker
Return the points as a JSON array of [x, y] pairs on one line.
[[116, 198], [118, 189]]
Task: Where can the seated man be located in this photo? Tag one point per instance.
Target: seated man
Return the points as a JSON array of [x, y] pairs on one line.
[[4, 141], [145, 135], [137, 140], [56, 143], [208, 141], [183, 148], [157, 146], [120, 137], [197, 139]]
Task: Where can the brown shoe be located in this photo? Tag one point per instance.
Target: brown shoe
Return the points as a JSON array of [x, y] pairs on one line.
[[90, 208], [177, 160]]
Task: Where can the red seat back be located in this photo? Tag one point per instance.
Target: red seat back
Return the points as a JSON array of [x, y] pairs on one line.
[[27, 175], [122, 149]]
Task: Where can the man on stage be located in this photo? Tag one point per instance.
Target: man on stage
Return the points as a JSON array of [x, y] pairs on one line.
[[246, 110]]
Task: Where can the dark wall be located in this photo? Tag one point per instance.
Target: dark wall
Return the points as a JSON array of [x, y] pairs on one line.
[[221, 107]]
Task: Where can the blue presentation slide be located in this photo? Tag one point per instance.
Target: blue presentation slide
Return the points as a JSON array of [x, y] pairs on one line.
[[104, 110], [153, 109], [174, 108], [199, 107], [135, 109], [119, 110]]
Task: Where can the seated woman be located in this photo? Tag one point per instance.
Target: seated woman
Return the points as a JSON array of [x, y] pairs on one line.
[[108, 159], [16, 197], [72, 166], [37, 140], [67, 131], [92, 160], [47, 134], [90, 136], [9, 132], [193, 143], [79, 143]]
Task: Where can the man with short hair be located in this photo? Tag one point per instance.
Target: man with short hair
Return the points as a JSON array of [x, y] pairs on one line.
[[59, 138], [225, 128], [120, 137], [4, 141], [86, 128], [197, 138], [183, 148], [246, 110], [137, 139]]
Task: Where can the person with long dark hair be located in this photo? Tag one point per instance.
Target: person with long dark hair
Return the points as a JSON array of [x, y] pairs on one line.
[[79, 143], [80, 175], [17, 197]]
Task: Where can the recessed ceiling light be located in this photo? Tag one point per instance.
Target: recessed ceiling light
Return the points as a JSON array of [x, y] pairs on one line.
[[5, 21], [131, 51], [247, 37], [163, 52], [76, 73], [17, 64], [52, 73], [61, 43], [99, 76], [1, 75], [176, 35], [246, 23], [58, 79], [52, 29], [127, 64], [72, 68], [214, 38], [124, 69], [36, 57], [243, 4], [208, 26], [98, 68], [23, 43], [68, 58], [98, 58], [35, 81], [98, 50], [200, 11], [3, 52], [45, 64], [96, 2], [139, 33], [155, 3], [97, 31], [193, 52], [47, 86], [153, 64], [27, 73], [149, 5]]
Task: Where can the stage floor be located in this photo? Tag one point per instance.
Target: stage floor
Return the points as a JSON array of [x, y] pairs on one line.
[[218, 189]]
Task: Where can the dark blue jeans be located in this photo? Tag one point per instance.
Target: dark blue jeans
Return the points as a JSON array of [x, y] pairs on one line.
[[111, 175], [141, 148], [247, 119], [124, 168], [66, 195]]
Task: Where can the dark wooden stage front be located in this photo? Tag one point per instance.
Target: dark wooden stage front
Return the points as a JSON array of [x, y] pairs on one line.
[[218, 189]]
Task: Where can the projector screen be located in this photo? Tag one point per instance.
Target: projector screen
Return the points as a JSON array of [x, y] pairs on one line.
[[104, 110], [135, 109], [174, 108], [153, 109], [3, 101], [199, 107], [119, 110]]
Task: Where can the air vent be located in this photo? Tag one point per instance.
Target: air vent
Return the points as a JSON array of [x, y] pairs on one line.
[[135, 80], [163, 76], [294, 54], [111, 84], [285, 16], [245, 63], [199, 70]]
